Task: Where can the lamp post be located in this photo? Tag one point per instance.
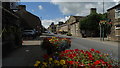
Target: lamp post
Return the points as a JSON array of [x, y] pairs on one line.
[[104, 23], [103, 31], [100, 32], [101, 24]]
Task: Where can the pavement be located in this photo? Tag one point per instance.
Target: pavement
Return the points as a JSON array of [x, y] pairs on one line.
[[106, 41], [26, 55]]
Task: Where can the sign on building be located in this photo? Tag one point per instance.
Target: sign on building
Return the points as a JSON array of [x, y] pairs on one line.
[[13, 5]]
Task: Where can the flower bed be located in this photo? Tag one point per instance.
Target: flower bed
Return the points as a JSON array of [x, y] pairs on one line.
[[77, 59], [56, 44]]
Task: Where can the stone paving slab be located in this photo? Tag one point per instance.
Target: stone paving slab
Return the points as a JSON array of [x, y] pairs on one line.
[[35, 42]]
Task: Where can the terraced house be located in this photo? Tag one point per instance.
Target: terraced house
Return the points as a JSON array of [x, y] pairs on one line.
[[114, 16], [73, 25]]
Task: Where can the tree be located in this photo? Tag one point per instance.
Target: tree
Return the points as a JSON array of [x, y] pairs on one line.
[[91, 23]]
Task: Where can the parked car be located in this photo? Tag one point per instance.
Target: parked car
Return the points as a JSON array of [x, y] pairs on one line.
[[38, 33], [84, 35], [29, 33], [55, 32]]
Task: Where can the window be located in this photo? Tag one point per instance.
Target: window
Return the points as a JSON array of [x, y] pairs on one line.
[[117, 27], [117, 13]]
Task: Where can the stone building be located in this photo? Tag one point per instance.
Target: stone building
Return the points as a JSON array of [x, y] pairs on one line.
[[73, 25], [61, 27], [114, 16], [52, 27], [29, 20], [11, 28], [64, 28]]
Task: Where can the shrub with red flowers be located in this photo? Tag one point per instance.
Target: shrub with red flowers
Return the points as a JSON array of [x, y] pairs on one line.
[[79, 59]]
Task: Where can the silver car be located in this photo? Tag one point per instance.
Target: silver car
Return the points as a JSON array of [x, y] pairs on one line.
[[29, 33]]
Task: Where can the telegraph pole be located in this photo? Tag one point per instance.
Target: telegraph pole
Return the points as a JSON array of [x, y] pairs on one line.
[[103, 24], [103, 6], [100, 32]]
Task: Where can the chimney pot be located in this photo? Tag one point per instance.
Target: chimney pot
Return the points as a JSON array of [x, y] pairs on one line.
[[22, 7]]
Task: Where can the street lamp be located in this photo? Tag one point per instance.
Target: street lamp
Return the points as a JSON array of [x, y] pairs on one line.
[[102, 24], [100, 31]]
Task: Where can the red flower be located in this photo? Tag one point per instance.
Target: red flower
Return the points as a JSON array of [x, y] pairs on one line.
[[109, 66], [71, 50], [103, 62], [89, 64], [67, 61], [82, 51], [56, 40], [71, 56], [90, 56], [76, 49], [97, 62], [71, 62], [101, 55], [97, 51], [76, 62], [92, 49]]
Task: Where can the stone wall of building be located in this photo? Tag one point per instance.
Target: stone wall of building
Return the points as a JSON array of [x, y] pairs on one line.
[[64, 28], [115, 32], [74, 25]]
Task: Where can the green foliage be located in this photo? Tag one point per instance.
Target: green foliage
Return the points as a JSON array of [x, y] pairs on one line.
[[91, 22], [69, 34]]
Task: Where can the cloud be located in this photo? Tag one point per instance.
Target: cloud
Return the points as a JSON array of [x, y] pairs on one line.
[[82, 8], [40, 7], [84, 0], [46, 22]]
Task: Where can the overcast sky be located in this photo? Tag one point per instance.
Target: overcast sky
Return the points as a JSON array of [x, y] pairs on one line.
[[60, 11]]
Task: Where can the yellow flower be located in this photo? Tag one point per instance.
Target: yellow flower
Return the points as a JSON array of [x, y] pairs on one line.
[[56, 61], [38, 62], [62, 62], [50, 59], [50, 62], [51, 40], [36, 65], [53, 37], [45, 64]]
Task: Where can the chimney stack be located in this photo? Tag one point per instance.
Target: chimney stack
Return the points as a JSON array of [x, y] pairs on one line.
[[93, 10], [22, 7]]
